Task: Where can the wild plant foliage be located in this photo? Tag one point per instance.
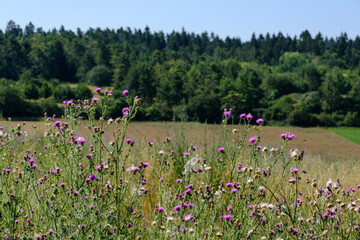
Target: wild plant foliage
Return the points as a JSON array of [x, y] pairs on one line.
[[70, 186]]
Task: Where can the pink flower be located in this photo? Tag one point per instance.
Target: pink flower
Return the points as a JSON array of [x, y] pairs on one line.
[[259, 121], [221, 150], [227, 114], [249, 116], [97, 89], [125, 92], [57, 123], [95, 99], [252, 140], [160, 209]]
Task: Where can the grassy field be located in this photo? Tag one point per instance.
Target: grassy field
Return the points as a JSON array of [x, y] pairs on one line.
[[94, 179], [352, 134]]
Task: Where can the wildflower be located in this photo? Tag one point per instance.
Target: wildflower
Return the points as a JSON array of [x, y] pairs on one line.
[[125, 92], [7, 170], [57, 123], [160, 209], [97, 89], [145, 165], [188, 218], [129, 141], [51, 231], [242, 115], [249, 116], [252, 140], [227, 217], [292, 180], [227, 114], [94, 99], [62, 184], [260, 121], [186, 154], [177, 208], [133, 169], [80, 140], [294, 170], [221, 150]]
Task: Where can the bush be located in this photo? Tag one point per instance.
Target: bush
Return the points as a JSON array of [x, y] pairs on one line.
[[99, 76], [82, 92]]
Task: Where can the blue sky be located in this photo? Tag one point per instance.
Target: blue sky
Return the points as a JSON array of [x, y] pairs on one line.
[[235, 18]]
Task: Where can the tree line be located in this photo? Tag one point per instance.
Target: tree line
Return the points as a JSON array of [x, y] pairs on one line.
[[304, 81]]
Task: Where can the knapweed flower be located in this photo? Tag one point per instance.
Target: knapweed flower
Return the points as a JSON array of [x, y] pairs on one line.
[[97, 89], [242, 115], [57, 123], [295, 170], [227, 217], [177, 208], [186, 154], [221, 150], [7, 170], [51, 231], [62, 184], [94, 99], [227, 114], [125, 92]]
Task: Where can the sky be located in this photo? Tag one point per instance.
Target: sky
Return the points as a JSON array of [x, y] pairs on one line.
[[234, 18]]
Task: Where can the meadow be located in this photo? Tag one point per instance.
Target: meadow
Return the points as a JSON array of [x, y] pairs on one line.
[[99, 178], [353, 134]]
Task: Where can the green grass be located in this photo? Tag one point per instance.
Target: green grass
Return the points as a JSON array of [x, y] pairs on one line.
[[352, 134]]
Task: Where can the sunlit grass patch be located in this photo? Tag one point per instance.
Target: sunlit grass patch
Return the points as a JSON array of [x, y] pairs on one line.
[[352, 134]]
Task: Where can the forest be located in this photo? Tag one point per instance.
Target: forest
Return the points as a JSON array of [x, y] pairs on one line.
[[303, 80]]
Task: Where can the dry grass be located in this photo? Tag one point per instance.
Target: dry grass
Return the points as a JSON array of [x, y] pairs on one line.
[[327, 155]]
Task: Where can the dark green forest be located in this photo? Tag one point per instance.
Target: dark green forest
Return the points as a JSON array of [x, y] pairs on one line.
[[303, 80]]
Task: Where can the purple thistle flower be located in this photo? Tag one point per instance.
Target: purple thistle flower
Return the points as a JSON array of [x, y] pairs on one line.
[[177, 208], [295, 170], [51, 231], [242, 115], [260, 121], [62, 184], [57, 123], [160, 209], [227, 217], [249, 116], [97, 89], [7, 170], [221, 150], [229, 208], [94, 99], [252, 140], [227, 114], [125, 92]]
